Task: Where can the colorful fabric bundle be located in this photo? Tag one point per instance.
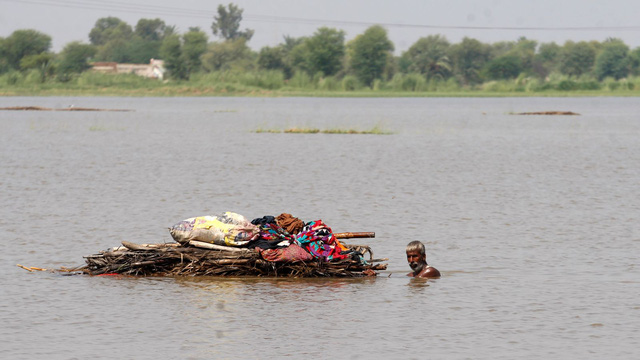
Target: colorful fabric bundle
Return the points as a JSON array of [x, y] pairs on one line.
[[292, 253], [318, 239], [271, 231], [292, 224]]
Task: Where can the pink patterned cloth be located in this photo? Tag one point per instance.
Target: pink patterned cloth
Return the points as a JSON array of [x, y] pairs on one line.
[[292, 253]]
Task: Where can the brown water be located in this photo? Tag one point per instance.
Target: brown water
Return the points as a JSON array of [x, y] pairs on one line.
[[533, 221]]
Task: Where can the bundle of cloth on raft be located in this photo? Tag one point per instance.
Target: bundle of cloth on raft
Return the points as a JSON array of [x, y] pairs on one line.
[[282, 238]]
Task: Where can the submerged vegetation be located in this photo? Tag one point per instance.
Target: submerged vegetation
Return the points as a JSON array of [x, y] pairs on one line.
[[376, 130]]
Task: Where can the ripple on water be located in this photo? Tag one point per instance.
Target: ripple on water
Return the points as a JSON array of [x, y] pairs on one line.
[[530, 222]]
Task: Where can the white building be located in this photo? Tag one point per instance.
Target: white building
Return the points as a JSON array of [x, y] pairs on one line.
[[155, 69]]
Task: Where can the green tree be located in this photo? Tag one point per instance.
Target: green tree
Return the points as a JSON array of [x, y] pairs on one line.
[[42, 62], [74, 58], [291, 42], [546, 59], [228, 55], [143, 45], [524, 49], [150, 29], [171, 52], [23, 43], [194, 44], [300, 58], [170, 30], [227, 24], [117, 50], [4, 64], [504, 67], [140, 51], [613, 60], [402, 63], [577, 58], [321, 53], [272, 58], [108, 29], [500, 48], [634, 61], [469, 57], [429, 57], [370, 53], [282, 57], [116, 42]]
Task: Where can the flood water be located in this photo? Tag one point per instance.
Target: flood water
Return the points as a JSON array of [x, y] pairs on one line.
[[532, 220]]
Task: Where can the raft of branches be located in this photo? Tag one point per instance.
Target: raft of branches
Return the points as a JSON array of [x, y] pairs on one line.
[[179, 260]]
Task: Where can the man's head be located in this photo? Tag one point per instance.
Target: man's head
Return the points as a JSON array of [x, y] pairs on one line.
[[416, 256]]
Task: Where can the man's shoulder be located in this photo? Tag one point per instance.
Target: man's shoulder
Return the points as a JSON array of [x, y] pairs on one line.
[[429, 271]]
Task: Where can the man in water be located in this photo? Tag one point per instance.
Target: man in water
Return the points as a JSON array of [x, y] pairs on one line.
[[417, 258]]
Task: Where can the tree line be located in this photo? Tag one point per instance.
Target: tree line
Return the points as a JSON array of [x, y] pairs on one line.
[[366, 60]]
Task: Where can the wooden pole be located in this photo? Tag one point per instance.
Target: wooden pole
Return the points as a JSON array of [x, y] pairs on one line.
[[205, 245], [350, 235]]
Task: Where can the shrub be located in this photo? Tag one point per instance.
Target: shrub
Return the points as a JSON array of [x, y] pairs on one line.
[[630, 85], [499, 86], [33, 76], [533, 85], [301, 80], [589, 85], [408, 82], [567, 85], [11, 78], [451, 85], [267, 79], [544, 86], [350, 83], [611, 84], [329, 83], [316, 79], [64, 77]]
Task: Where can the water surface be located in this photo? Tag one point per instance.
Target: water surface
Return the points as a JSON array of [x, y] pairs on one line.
[[531, 219]]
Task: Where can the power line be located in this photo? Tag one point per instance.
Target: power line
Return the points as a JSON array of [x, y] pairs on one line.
[[209, 14], [129, 8], [450, 27]]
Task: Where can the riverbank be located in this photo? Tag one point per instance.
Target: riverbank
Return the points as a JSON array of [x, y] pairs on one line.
[[92, 84], [204, 92]]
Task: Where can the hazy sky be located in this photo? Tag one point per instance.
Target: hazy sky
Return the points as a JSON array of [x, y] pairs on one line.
[[406, 20]]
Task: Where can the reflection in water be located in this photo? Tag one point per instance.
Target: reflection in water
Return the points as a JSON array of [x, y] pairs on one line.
[[418, 283], [237, 308], [266, 287]]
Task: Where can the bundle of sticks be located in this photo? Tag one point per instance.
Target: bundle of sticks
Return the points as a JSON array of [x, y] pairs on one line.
[[199, 258]]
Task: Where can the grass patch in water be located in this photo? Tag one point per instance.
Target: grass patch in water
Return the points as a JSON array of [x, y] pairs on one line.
[[296, 130], [341, 131], [97, 128], [376, 130], [271, 131], [103, 128]]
